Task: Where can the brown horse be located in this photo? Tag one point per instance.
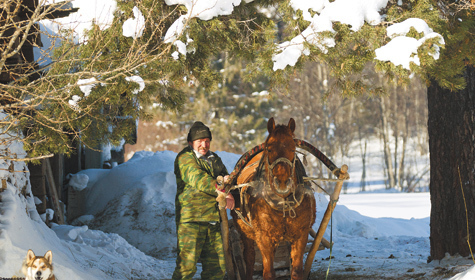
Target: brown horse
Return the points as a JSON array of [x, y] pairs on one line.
[[277, 206]]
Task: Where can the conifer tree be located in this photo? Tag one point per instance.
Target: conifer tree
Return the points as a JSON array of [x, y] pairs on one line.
[[92, 88], [451, 98]]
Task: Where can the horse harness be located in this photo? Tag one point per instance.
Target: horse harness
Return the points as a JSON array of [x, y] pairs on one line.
[[275, 201], [260, 187]]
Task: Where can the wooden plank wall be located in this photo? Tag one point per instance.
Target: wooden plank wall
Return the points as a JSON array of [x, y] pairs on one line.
[[44, 187]]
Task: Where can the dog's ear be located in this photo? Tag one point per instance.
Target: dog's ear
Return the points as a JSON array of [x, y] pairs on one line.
[[49, 257], [30, 255]]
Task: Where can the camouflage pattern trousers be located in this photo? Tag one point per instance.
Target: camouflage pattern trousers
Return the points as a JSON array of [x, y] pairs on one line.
[[199, 241]]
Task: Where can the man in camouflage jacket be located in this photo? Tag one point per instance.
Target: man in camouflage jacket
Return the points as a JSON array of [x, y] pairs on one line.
[[197, 214]]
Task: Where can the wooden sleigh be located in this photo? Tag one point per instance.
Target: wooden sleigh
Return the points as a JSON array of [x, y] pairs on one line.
[[232, 243]]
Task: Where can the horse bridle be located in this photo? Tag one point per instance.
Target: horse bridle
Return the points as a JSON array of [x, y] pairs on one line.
[[249, 155], [270, 167]]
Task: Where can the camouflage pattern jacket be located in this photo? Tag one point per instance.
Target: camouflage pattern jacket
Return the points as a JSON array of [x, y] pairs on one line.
[[196, 186]]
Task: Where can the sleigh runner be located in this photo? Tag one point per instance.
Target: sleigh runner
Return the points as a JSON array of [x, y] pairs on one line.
[[256, 174]]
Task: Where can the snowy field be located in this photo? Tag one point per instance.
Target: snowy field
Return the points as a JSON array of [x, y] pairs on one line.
[[377, 235]]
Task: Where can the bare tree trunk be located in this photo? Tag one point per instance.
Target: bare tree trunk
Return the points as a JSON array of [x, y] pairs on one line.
[[395, 128], [401, 174], [363, 159], [387, 150], [451, 128], [405, 133], [307, 97]]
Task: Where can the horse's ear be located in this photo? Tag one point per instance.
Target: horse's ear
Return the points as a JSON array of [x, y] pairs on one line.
[[270, 125], [292, 125]]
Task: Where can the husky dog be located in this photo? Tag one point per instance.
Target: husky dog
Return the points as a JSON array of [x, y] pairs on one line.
[[38, 268]]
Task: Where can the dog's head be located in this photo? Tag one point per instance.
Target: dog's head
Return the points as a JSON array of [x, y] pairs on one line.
[[37, 267]]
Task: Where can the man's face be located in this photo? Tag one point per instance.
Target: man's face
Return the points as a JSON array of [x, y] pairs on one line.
[[201, 145]]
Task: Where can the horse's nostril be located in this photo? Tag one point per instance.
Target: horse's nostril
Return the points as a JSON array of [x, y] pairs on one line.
[[276, 181], [289, 183]]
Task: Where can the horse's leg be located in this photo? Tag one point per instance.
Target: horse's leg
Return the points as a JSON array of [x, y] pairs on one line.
[[297, 250], [249, 255], [267, 251]]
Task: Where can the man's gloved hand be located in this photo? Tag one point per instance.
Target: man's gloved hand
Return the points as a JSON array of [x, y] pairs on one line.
[[223, 199]]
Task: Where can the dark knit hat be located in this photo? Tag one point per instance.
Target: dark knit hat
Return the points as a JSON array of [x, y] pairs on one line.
[[198, 131]]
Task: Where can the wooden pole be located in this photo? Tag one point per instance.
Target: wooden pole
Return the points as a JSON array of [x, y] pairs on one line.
[[324, 242], [225, 235], [58, 209], [238, 257], [326, 219]]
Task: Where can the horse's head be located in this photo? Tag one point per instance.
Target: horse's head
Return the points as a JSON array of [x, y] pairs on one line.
[[280, 157]]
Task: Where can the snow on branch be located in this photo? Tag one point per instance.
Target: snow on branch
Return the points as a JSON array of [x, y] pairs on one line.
[[402, 50], [352, 12], [134, 27], [202, 9]]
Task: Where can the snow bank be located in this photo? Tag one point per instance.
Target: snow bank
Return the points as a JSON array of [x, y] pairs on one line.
[[137, 200], [134, 173]]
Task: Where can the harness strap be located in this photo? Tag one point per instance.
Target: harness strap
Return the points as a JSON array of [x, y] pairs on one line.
[[291, 210], [270, 168], [242, 190], [288, 205], [243, 219], [279, 160]]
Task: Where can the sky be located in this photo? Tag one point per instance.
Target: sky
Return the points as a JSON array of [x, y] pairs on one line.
[[131, 206]]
